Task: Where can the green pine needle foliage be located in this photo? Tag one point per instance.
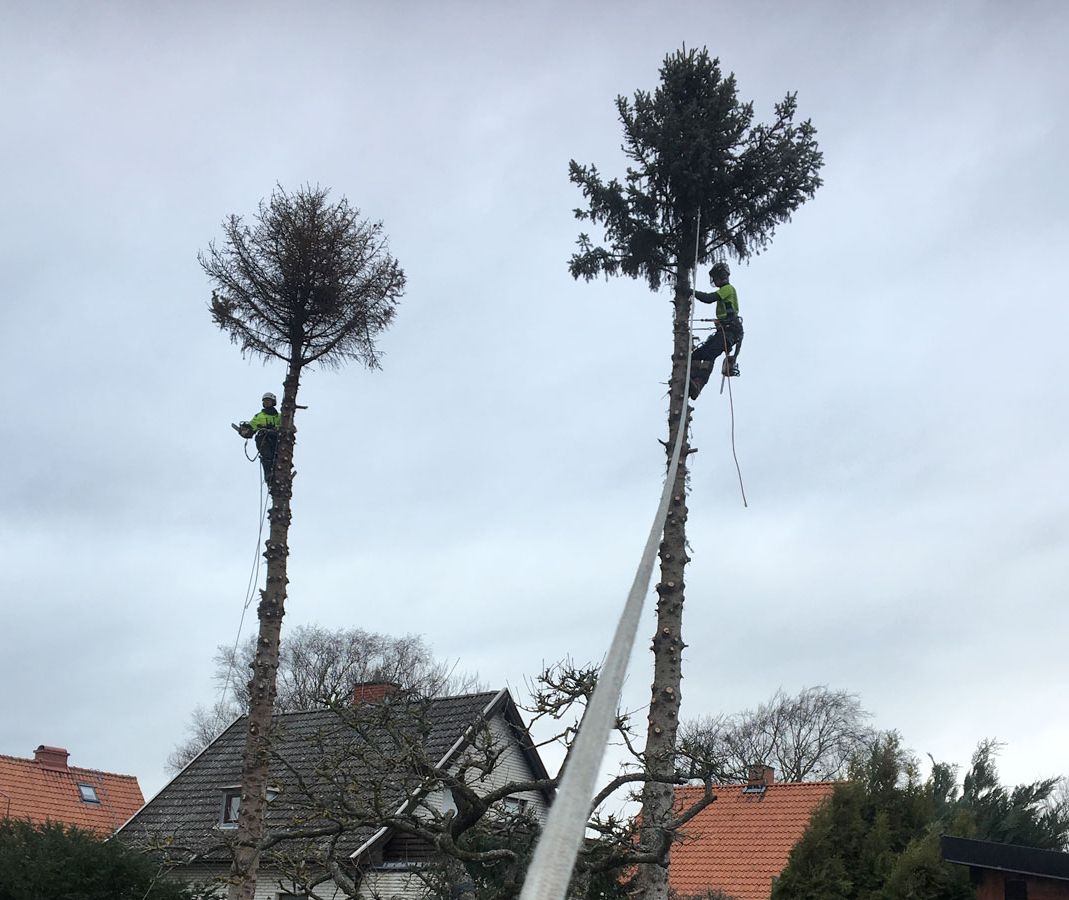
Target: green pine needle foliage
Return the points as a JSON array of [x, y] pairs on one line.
[[877, 837], [695, 152]]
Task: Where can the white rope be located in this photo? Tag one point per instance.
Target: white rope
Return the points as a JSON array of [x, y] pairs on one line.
[[250, 588], [551, 868]]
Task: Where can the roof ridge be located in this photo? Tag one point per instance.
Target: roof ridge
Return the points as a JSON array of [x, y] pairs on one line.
[[775, 784], [39, 767], [102, 772], [323, 709]]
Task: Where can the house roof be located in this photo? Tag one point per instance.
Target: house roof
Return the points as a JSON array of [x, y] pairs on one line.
[[328, 751], [741, 841], [46, 789], [1005, 857]]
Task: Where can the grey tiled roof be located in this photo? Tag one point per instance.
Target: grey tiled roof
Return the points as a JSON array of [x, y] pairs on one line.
[[319, 758]]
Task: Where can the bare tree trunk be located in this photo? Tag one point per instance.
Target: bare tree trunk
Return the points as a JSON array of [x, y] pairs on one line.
[[263, 684], [651, 881]]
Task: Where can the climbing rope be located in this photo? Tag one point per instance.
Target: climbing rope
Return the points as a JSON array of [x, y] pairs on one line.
[[554, 857], [731, 403], [254, 579]]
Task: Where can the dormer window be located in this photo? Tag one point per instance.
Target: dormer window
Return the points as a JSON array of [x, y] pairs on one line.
[[88, 793]]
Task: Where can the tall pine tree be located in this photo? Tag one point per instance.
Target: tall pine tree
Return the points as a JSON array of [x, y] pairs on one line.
[[703, 176]]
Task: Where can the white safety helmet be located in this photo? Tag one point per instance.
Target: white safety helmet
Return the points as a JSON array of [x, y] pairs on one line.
[[269, 396]]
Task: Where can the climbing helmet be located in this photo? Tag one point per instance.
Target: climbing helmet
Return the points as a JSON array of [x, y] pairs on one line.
[[269, 396], [720, 270]]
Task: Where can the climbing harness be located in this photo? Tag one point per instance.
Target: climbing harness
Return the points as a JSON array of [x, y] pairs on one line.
[[729, 367], [554, 858]]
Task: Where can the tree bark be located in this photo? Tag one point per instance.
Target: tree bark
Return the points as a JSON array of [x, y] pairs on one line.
[[651, 880], [263, 684]]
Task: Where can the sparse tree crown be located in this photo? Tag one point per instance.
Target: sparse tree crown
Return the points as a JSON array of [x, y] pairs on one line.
[[310, 282]]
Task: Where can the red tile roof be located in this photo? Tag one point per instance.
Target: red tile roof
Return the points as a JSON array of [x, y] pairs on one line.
[[741, 841], [46, 788]]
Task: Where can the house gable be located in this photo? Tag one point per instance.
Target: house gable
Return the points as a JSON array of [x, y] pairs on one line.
[[518, 762]]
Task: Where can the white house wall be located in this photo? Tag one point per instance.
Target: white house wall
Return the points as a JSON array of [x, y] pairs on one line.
[[267, 887], [512, 766], [383, 884]]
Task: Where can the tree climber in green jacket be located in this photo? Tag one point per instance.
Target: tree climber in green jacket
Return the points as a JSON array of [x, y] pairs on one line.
[[727, 338], [263, 428]]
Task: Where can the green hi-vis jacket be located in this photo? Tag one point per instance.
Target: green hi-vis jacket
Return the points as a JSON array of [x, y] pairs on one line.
[[264, 419], [726, 299]]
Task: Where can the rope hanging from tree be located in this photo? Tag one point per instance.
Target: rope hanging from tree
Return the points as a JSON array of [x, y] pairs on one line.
[[250, 587]]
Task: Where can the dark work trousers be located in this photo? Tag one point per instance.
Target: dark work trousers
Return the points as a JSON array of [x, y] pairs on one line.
[[703, 359], [267, 443]]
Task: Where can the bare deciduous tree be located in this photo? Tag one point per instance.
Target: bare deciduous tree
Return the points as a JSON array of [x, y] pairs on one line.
[[316, 667], [310, 283], [206, 723], [810, 736]]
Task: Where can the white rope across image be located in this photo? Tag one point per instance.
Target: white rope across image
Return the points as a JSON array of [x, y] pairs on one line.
[[558, 847]]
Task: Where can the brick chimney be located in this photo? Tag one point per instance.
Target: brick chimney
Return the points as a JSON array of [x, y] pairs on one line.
[[374, 691], [52, 758], [761, 774]]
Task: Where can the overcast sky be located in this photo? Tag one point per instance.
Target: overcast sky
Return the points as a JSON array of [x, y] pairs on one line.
[[900, 420]]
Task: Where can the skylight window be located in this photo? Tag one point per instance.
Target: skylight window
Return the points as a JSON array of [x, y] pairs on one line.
[[88, 793]]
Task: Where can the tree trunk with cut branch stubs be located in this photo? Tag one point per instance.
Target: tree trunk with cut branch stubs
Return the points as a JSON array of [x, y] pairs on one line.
[[663, 721], [262, 685]]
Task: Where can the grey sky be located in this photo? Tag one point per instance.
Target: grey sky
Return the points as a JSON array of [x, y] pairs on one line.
[[901, 419]]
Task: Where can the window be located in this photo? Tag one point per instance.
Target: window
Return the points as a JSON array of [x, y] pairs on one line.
[[514, 806], [231, 807], [88, 793], [232, 803]]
